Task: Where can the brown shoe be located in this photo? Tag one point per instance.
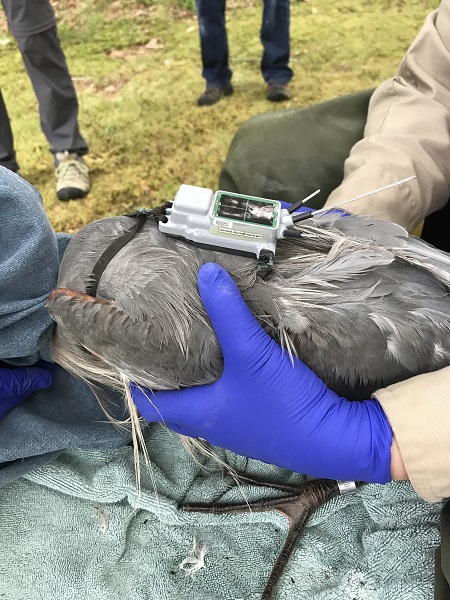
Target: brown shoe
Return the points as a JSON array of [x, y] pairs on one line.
[[278, 92], [214, 93]]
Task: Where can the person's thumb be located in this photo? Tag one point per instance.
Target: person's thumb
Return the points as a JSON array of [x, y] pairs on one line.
[[237, 330], [181, 410]]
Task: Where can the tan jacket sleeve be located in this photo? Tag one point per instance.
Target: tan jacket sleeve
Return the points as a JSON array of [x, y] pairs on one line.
[[407, 133], [419, 413]]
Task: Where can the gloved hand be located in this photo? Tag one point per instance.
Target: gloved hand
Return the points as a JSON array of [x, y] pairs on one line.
[[305, 208], [16, 383], [267, 408]]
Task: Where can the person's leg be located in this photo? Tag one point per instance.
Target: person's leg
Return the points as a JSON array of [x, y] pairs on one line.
[[275, 40], [32, 22], [214, 50], [33, 25], [7, 153], [58, 105], [58, 110], [287, 155]]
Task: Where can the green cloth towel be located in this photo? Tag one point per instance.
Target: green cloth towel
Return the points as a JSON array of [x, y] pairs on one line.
[[77, 528]]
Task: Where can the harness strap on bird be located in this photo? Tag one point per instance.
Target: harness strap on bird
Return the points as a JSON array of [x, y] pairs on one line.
[[158, 213]]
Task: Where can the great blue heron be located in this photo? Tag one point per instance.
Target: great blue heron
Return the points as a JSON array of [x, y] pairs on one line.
[[360, 301]]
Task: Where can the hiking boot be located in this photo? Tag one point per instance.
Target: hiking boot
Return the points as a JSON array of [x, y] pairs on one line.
[[73, 176], [278, 92], [214, 93]]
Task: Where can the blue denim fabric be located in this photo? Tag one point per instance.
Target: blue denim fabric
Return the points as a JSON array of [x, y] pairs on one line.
[[66, 414], [214, 43], [275, 41]]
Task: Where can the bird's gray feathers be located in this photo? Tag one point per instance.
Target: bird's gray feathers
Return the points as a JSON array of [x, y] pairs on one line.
[[360, 301]]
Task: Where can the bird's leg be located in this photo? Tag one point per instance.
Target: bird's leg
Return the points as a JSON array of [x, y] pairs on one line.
[[297, 508]]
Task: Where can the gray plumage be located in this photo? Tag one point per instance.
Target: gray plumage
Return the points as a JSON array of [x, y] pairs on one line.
[[360, 301]]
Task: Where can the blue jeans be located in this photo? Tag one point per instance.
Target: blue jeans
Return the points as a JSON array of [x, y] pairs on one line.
[[274, 38]]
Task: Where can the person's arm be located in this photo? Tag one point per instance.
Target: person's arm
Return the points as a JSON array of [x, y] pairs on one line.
[[398, 470], [419, 413], [264, 406], [407, 133], [271, 407]]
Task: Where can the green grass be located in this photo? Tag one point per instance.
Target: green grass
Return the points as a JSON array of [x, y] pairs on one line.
[[136, 67]]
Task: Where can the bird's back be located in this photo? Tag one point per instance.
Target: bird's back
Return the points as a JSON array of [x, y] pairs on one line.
[[360, 301]]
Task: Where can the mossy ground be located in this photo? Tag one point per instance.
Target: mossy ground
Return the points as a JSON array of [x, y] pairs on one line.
[[136, 67]]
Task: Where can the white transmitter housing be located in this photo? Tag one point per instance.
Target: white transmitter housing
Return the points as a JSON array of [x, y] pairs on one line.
[[227, 222]]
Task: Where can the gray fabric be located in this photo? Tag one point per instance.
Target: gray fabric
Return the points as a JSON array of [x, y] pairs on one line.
[[26, 17], [33, 25], [288, 154], [67, 414]]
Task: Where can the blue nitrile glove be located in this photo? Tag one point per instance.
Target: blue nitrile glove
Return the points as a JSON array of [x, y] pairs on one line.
[[305, 208], [267, 408], [16, 383]]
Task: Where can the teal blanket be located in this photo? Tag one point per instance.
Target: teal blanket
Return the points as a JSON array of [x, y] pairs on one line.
[[78, 529]]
